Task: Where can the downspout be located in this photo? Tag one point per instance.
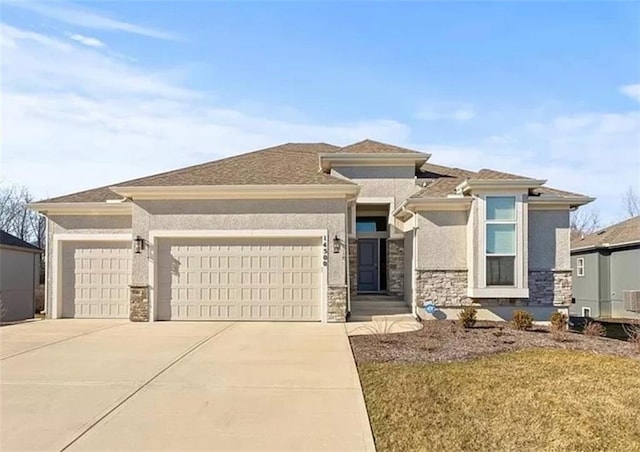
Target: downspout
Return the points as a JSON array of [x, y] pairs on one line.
[[47, 268]]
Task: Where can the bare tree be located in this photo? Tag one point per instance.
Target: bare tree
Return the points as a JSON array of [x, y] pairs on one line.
[[17, 219], [584, 221], [631, 202]]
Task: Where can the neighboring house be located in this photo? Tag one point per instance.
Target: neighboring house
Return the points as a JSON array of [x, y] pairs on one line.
[[606, 264], [19, 278], [302, 232]]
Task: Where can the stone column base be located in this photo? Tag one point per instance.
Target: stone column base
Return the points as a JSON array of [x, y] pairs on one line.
[[139, 304], [337, 304]]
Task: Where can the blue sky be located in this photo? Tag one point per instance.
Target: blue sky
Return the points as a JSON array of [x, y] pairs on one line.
[[95, 93]]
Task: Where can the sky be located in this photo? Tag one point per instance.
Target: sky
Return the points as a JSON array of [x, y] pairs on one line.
[[94, 93]]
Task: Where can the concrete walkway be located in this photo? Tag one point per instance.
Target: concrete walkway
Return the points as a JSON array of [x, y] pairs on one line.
[[113, 385]]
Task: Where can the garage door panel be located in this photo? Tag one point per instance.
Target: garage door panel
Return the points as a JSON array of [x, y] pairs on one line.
[[96, 279], [239, 279]]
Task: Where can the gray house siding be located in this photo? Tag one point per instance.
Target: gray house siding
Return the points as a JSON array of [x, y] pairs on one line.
[[19, 278], [586, 288], [607, 274], [625, 275]]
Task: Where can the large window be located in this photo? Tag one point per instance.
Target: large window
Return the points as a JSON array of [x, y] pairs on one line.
[[501, 240]]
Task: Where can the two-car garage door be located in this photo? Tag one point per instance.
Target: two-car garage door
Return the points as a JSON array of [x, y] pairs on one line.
[[239, 279]]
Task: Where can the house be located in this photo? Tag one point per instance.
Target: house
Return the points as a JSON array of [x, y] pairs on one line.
[[19, 278], [311, 232], [606, 269]]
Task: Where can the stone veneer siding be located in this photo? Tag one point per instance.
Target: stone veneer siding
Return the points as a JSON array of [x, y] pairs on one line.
[[395, 267], [550, 287], [337, 304], [353, 266], [442, 287], [449, 287], [139, 304]]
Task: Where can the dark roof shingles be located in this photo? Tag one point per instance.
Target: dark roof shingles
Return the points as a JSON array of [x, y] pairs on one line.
[[627, 231], [11, 240]]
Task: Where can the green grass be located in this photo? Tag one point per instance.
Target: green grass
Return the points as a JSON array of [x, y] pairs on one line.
[[528, 400]]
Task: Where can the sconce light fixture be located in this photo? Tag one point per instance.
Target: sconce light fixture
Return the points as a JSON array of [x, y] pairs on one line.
[[336, 245], [138, 244]]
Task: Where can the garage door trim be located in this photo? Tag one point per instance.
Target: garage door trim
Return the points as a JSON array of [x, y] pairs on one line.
[[154, 235], [58, 241]]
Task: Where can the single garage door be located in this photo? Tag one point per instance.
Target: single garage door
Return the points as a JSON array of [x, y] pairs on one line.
[[239, 279], [95, 279]]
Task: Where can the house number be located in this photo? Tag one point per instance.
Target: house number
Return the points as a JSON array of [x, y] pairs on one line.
[[325, 252]]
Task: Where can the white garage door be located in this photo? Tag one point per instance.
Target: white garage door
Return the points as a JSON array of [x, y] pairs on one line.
[[239, 279], [95, 279]]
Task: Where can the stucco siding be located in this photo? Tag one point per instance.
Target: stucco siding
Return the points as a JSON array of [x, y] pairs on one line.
[[99, 224], [549, 240], [19, 276], [442, 240], [239, 215], [376, 181], [408, 267]]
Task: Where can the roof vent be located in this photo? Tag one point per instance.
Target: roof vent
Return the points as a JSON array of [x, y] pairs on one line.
[[601, 232]]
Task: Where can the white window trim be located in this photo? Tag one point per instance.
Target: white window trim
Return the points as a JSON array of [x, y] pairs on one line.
[[516, 225], [513, 222], [584, 312], [580, 266], [479, 288]]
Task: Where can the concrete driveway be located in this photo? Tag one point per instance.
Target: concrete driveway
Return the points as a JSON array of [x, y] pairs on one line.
[[115, 385]]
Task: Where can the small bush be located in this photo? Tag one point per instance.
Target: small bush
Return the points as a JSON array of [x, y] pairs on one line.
[[522, 320], [594, 329], [633, 334], [468, 316], [559, 321]]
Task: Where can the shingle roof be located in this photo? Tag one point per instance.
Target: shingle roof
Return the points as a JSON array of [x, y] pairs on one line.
[[447, 179], [11, 240], [375, 147], [287, 164], [627, 231], [294, 164], [493, 174], [432, 171]]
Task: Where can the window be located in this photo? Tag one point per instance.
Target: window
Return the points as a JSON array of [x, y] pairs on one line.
[[371, 224], [586, 312], [580, 266], [500, 240]]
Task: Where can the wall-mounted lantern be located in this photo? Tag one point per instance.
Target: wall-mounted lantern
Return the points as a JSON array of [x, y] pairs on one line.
[[336, 245], [138, 244]]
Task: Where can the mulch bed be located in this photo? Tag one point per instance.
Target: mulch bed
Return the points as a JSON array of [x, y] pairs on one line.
[[445, 341]]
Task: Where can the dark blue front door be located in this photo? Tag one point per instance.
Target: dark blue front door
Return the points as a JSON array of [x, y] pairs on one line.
[[368, 265]]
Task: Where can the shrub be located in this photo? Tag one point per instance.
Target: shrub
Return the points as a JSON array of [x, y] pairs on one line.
[[633, 333], [468, 316], [522, 320], [559, 321], [594, 329]]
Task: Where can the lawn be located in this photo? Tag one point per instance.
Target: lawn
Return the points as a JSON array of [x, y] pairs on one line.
[[536, 399]]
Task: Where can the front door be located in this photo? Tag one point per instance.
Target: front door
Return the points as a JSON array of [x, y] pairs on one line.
[[368, 265]]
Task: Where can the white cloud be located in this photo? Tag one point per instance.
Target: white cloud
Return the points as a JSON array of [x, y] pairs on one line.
[[597, 154], [71, 14], [75, 119], [633, 91], [446, 112], [87, 40]]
